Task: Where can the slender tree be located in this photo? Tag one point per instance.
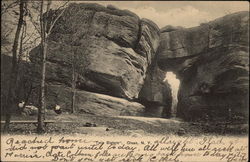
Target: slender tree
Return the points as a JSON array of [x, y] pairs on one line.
[[79, 68], [21, 45], [11, 97], [73, 84], [41, 110], [45, 32]]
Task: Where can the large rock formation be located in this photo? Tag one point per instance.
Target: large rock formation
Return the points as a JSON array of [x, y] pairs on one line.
[[91, 103], [101, 50], [111, 49], [211, 61], [111, 58]]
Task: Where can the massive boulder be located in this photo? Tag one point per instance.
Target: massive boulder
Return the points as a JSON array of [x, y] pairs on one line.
[[91, 103], [212, 62], [110, 49], [100, 50]]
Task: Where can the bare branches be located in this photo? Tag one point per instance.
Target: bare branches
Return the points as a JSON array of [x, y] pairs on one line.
[[5, 35], [43, 25], [34, 23], [37, 23], [7, 49], [5, 8], [46, 17], [54, 21], [63, 5], [28, 38]]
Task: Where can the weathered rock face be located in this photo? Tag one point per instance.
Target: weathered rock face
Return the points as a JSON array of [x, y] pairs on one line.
[[109, 53], [109, 49], [212, 63], [102, 50], [170, 28], [155, 93], [91, 103]]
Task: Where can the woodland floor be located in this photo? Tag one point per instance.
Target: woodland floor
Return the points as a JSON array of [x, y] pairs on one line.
[[123, 125]]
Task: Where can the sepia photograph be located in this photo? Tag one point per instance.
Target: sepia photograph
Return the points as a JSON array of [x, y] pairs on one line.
[[124, 81]]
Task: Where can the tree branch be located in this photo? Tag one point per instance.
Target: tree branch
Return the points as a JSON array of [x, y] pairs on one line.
[[13, 4], [54, 21], [34, 23]]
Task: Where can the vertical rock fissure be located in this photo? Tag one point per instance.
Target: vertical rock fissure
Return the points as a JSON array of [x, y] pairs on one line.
[[139, 34]]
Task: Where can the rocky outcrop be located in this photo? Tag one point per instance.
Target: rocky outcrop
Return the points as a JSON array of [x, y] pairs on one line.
[[156, 93], [211, 61], [101, 50], [114, 58], [110, 49], [170, 28]]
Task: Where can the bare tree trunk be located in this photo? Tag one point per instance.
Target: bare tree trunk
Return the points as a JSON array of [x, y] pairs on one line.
[[11, 99], [20, 55], [73, 84], [28, 96], [44, 45], [73, 89], [73, 99], [21, 44], [41, 110]]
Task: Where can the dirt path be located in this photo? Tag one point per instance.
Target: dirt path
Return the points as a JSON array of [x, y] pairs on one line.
[[109, 126], [152, 120]]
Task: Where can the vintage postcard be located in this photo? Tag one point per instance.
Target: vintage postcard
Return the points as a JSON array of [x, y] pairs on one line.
[[124, 81]]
